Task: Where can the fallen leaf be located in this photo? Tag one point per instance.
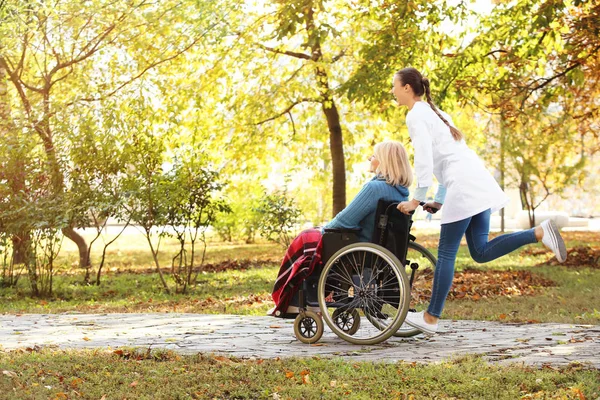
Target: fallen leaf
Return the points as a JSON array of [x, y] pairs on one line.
[[306, 379], [43, 303], [60, 395], [332, 383], [9, 373], [133, 384], [502, 316], [579, 393], [75, 382], [87, 339], [275, 326], [289, 374]]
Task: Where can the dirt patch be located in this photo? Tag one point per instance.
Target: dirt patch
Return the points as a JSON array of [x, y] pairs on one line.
[[184, 305], [580, 256], [475, 285], [239, 265]]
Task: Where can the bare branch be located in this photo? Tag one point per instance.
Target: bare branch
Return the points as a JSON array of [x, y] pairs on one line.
[[338, 56], [47, 40], [285, 52], [81, 57], [293, 125], [287, 110], [576, 64]]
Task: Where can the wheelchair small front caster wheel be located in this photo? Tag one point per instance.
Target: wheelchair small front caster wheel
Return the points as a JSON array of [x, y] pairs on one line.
[[308, 327], [347, 320]]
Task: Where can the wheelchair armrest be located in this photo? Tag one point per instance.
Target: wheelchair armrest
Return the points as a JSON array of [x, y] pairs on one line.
[[341, 230]]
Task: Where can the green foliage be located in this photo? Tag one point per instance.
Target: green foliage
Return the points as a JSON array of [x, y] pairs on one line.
[[279, 217], [241, 223], [191, 208]]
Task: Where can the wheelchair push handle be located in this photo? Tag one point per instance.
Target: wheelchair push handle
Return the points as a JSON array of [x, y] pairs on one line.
[[428, 209]]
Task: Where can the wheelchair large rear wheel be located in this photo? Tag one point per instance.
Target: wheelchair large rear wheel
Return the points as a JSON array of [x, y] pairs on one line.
[[422, 262], [368, 278]]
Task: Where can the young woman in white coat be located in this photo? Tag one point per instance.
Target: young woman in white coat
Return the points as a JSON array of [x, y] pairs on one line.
[[467, 190]]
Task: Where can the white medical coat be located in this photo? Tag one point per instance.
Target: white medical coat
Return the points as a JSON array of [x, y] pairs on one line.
[[471, 187]]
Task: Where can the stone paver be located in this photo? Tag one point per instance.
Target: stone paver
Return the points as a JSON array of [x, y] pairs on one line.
[[267, 337]]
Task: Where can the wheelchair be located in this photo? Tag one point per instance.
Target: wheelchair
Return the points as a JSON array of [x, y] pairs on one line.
[[364, 290]]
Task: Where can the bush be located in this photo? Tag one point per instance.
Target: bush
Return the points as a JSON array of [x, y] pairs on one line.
[[279, 217]]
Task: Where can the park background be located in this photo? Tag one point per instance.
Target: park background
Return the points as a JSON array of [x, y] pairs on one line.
[[158, 156]]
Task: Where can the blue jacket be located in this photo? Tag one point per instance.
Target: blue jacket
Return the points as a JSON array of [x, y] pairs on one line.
[[360, 213]]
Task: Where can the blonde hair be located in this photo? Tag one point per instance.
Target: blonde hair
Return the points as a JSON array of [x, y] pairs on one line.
[[393, 163]]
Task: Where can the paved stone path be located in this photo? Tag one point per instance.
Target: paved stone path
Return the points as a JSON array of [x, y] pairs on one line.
[[267, 337]]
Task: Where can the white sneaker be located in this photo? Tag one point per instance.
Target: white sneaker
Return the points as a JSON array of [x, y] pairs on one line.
[[553, 240], [417, 320]]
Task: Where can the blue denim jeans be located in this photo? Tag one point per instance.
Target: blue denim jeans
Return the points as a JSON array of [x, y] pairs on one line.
[[477, 229]]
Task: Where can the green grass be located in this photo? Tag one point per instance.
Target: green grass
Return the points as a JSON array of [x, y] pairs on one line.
[[127, 286], [164, 375], [229, 292]]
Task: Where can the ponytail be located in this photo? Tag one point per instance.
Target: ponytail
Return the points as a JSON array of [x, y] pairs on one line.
[[420, 86], [456, 134]]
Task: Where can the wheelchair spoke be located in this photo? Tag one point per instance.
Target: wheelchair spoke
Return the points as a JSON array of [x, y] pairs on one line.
[[365, 280], [343, 279]]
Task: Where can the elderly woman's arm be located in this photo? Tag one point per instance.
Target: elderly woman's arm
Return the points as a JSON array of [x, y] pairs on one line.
[[362, 205]]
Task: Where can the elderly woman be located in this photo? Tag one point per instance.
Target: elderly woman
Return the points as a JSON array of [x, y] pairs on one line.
[[393, 175]]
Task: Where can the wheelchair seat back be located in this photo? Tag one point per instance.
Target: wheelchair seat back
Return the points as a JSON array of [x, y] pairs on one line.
[[392, 229]]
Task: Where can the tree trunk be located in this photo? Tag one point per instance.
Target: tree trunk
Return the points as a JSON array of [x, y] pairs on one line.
[[156, 262], [84, 261], [502, 167], [58, 181], [16, 168], [336, 142], [336, 146]]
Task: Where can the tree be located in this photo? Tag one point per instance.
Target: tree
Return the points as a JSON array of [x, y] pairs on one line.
[[530, 74], [304, 22], [67, 55]]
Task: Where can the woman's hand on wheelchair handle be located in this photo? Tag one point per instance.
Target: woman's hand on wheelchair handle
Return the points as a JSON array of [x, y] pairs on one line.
[[432, 207], [407, 207]]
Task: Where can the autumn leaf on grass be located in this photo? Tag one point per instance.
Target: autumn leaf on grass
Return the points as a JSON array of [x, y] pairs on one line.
[[133, 384], [75, 382], [221, 359], [60, 396], [305, 376], [502, 316], [9, 373], [289, 374], [578, 392]]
